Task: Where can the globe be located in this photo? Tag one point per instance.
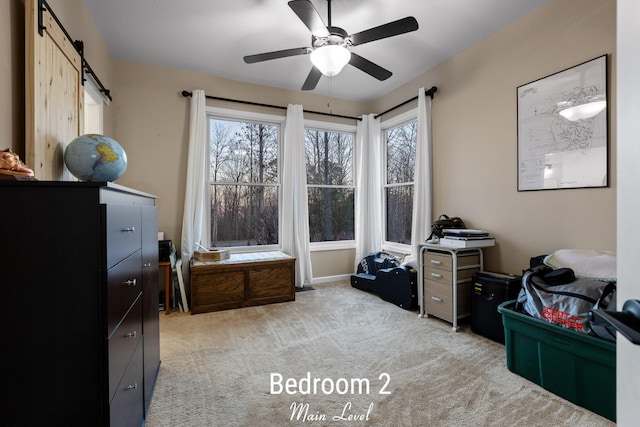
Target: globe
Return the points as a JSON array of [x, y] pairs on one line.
[[94, 157]]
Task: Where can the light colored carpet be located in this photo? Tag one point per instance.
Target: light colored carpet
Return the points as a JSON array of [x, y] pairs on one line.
[[217, 367]]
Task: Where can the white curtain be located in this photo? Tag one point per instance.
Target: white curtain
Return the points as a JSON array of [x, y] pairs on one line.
[[295, 216], [368, 207], [195, 219], [421, 216]]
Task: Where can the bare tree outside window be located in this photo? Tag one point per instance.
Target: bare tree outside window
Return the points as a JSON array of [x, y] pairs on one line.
[[331, 189], [401, 153], [243, 174]]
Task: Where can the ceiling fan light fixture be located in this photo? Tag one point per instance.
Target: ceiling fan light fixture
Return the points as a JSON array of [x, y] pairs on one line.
[[330, 59]]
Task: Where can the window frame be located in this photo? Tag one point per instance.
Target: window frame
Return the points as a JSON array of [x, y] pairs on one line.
[[218, 113], [94, 106], [397, 121], [341, 128]]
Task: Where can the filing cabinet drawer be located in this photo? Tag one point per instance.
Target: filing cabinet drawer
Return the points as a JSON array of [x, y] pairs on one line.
[[123, 232], [444, 276], [438, 300], [122, 344], [437, 275], [445, 261], [437, 260], [124, 284]]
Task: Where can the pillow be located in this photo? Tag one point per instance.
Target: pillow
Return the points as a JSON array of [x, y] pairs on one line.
[[589, 264]]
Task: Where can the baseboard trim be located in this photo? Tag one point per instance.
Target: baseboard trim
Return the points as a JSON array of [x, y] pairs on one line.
[[328, 279]]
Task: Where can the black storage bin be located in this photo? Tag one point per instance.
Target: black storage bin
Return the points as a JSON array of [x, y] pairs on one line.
[[489, 291], [164, 250]]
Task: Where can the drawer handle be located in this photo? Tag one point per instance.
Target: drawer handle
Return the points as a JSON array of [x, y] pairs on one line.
[[131, 282], [131, 334], [436, 262], [436, 275], [131, 386], [436, 299], [129, 230]]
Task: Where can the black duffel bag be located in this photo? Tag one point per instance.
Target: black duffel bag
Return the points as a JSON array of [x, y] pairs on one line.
[[558, 297], [444, 222]]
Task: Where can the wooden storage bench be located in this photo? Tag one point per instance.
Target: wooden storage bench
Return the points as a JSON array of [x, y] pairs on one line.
[[243, 280]]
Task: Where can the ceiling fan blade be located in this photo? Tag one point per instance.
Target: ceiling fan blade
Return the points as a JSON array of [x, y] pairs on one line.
[[401, 26], [369, 67], [250, 59], [310, 17], [312, 79]]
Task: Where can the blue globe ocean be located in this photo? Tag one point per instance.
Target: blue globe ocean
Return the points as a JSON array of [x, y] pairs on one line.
[[95, 157]]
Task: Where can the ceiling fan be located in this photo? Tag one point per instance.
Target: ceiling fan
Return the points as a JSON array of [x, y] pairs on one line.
[[329, 45]]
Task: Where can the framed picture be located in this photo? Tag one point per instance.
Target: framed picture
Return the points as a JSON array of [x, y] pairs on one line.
[[562, 129]]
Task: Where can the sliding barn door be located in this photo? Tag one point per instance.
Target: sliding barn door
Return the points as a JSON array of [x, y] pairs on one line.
[[54, 93]]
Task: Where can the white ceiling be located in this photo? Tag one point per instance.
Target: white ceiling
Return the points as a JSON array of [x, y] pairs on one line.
[[212, 37]]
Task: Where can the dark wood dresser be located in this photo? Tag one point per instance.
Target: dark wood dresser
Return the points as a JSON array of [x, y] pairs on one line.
[[79, 280]]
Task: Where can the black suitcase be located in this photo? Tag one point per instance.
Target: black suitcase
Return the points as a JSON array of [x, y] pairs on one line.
[[365, 282], [399, 286], [489, 291]]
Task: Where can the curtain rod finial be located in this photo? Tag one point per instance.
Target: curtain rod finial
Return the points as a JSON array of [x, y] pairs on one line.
[[186, 93]]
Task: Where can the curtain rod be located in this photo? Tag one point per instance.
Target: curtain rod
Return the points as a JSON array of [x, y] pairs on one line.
[[429, 93], [187, 94]]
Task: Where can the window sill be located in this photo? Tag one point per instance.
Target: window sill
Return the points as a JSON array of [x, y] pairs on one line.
[[332, 246]]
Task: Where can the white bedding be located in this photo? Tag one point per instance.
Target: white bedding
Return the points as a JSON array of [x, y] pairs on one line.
[[591, 264]]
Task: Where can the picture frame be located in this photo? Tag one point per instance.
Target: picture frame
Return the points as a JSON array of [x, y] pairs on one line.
[[563, 138]]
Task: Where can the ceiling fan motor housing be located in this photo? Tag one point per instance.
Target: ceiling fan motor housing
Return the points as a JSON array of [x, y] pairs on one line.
[[337, 36]]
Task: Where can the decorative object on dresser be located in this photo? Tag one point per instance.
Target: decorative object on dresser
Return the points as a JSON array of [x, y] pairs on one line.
[[242, 280], [10, 164], [445, 281], [82, 279], [94, 157]]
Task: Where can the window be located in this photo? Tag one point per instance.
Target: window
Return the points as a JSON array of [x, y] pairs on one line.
[[244, 178], [330, 183], [93, 107], [400, 152], [93, 118]]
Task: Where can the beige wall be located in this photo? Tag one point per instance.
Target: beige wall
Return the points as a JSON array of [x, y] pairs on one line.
[[474, 126], [475, 134], [152, 124]]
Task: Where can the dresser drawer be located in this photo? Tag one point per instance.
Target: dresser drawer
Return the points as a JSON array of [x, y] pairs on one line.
[[123, 232], [122, 344], [124, 284], [127, 406]]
